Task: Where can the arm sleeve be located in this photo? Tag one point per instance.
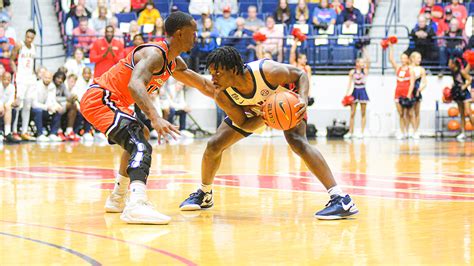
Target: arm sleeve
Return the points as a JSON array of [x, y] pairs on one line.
[[94, 54]]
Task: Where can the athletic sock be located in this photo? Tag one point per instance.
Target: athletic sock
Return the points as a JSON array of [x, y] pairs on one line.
[[121, 184], [137, 191], [68, 130], [336, 190], [206, 188]]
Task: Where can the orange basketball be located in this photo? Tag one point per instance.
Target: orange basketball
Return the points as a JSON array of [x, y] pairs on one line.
[[454, 125], [453, 111], [468, 126], [279, 110]]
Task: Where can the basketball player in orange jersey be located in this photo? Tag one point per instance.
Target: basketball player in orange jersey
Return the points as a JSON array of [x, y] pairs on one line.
[[131, 80], [405, 85], [245, 89]]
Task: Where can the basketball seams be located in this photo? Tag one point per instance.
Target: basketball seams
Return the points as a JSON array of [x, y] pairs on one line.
[[275, 111], [291, 112]]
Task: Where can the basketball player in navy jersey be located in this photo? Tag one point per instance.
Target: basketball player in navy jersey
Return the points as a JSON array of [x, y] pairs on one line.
[[244, 88]]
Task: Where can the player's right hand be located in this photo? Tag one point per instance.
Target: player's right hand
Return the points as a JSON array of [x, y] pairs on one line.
[[164, 128]]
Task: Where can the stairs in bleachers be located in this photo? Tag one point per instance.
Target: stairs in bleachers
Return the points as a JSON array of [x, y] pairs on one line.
[[21, 21]]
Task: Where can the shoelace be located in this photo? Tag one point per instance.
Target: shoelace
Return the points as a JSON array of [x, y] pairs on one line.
[[194, 194], [332, 201]]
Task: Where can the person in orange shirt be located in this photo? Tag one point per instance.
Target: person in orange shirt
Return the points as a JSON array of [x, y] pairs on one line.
[[148, 15], [106, 52]]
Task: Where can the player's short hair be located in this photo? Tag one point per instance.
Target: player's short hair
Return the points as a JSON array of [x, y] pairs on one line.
[[176, 21], [226, 57], [31, 31]]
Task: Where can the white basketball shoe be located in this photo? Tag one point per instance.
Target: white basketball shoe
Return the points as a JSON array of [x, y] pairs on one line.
[[115, 203], [142, 211]]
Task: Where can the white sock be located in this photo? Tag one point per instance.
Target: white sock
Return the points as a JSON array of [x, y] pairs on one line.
[[8, 129], [68, 130], [336, 190], [121, 184], [137, 191], [206, 188]]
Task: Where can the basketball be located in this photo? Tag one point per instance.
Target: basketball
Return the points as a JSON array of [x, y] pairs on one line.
[[279, 111], [453, 111], [454, 125]]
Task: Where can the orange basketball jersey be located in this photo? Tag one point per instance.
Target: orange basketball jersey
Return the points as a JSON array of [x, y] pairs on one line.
[[117, 78]]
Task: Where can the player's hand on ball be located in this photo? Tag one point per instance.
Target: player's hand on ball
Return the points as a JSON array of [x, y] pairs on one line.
[[164, 128], [301, 106]]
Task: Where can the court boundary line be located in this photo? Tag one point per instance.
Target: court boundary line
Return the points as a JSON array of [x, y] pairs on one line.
[[90, 260], [161, 251]]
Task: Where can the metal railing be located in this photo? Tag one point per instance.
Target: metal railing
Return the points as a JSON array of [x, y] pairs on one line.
[[37, 23]]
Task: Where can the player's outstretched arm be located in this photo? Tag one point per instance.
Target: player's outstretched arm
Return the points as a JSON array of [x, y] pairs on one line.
[[148, 60], [237, 113], [192, 79], [278, 74]]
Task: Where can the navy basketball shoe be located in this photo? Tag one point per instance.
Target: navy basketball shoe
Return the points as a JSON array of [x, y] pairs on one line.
[[197, 201], [338, 207]]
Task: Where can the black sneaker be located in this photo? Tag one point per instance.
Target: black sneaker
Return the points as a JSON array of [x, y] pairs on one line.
[[338, 208], [9, 139], [197, 201]]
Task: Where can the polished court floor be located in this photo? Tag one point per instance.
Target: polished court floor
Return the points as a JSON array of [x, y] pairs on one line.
[[416, 202]]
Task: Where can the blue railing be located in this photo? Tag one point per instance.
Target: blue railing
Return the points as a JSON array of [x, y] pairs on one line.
[[37, 20]]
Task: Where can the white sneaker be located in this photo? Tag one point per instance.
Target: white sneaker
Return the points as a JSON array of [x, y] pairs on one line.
[[100, 137], [400, 136], [87, 137], [461, 136], [348, 136], [416, 136], [42, 138], [143, 212], [115, 203], [187, 134], [54, 138]]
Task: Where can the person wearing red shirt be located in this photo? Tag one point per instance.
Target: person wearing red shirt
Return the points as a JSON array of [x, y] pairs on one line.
[[106, 52], [138, 5], [137, 40], [459, 12], [436, 11], [83, 36]]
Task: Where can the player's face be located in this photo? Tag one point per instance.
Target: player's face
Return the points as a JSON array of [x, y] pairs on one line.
[[188, 36], [29, 38], [47, 77], [86, 74], [404, 59], [221, 78]]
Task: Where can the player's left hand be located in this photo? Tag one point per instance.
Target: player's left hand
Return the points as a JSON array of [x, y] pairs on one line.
[[302, 105]]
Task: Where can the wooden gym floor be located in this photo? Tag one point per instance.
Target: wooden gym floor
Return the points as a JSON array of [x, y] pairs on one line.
[[416, 202]]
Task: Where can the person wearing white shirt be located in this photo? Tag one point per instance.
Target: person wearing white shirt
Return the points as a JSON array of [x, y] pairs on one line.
[[198, 7], [76, 64], [179, 107], [79, 90], [44, 105], [7, 101]]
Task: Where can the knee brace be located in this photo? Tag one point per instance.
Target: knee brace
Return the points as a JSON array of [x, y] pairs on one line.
[[130, 136]]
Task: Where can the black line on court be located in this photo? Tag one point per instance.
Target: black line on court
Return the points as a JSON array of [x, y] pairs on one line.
[[90, 260]]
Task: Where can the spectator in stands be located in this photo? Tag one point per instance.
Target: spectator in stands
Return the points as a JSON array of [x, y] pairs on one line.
[[253, 23], [119, 6], [302, 10], [179, 107], [429, 22], [206, 43], [138, 5], [437, 12], [72, 107], [63, 103], [226, 23], [274, 42], [83, 36], [133, 30], [148, 15], [422, 36], [158, 32], [443, 25], [350, 15], [137, 40], [7, 103], [323, 15], [200, 21], [44, 107], [10, 32], [282, 13], [92, 4], [337, 6], [72, 20], [40, 72], [242, 40], [221, 4], [76, 64], [81, 4], [106, 52], [99, 23], [453, 43], [79, 90], [459, 12], [5, 54], [113, 21], [100, 4], [198, 7]]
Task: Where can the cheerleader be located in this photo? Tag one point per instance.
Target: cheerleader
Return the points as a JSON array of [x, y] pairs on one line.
[[460, 91], [356, 88], [404, 90], [418, 87]]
